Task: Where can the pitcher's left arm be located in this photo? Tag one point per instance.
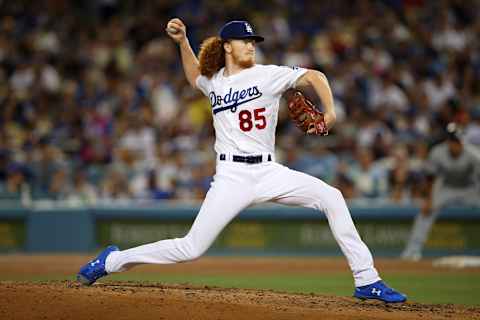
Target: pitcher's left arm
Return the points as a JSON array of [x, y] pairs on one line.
[[319, 82]]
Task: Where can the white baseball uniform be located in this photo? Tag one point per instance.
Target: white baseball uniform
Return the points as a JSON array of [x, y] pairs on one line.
[[245, 111]]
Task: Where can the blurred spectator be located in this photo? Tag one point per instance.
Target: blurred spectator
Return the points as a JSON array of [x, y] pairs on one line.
[[49, 171], [439, 90], [418, 164], [15, 183], [139, 142], [115, 186], [164, 100], [369, 178], [81, 192], [399, 175], [59, 185], [400, 180], [389, 96], [146, 186]]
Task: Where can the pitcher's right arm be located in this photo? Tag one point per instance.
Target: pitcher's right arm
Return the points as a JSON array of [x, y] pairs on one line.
[[178, 32]]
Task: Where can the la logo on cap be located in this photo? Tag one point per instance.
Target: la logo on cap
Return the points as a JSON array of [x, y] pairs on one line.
[[248, 27], [238, 30]]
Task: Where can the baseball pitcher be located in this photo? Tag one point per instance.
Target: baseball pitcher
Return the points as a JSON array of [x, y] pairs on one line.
[[244, 99]]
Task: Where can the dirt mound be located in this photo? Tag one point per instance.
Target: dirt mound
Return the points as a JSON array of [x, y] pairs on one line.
[[133, 300]]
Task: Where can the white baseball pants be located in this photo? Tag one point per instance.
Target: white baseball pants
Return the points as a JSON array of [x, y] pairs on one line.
[[235, 187]]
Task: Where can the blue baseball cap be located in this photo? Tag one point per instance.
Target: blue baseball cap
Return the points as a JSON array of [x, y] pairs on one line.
[[239, 30]]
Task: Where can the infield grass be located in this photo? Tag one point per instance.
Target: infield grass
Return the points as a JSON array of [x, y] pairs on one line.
[[435, 288]]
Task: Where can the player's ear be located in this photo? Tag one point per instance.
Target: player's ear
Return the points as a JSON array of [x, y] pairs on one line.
[[227, 46]]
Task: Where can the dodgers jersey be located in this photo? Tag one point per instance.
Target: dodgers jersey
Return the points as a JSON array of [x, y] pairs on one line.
[[245, 106]]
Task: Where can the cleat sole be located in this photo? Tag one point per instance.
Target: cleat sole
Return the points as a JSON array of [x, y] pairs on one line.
[[82, 280]]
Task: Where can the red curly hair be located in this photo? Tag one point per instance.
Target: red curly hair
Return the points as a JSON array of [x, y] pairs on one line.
[[211, 56]]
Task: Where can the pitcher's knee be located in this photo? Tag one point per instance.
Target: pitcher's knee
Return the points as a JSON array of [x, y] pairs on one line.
[[196, 253], [332, 193], [336, 193], [190, 249], [333, 201]]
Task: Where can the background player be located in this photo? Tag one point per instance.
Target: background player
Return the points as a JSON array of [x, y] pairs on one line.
[[245, 100], [452, 178]]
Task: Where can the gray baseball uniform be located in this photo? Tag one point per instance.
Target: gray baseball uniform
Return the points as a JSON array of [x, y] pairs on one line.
[[456, 183]]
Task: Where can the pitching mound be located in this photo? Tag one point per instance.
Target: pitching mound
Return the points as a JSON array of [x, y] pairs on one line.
[[131, 300]]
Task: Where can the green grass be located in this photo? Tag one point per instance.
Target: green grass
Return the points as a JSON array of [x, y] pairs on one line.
[[433, 288], [456, 288]]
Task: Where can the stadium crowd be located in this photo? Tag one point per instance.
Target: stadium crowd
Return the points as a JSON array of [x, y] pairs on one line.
[[94, 104]]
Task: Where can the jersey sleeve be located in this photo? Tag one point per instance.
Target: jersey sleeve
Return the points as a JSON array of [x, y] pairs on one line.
[[203, 84], [284, 78]]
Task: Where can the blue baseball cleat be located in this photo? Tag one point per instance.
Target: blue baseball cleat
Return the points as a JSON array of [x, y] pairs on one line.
[[380, 291], [95, 269]]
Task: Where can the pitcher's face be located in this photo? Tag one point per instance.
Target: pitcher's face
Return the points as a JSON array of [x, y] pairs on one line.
[[242, 52]]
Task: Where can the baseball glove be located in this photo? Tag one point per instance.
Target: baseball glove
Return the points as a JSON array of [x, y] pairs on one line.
[[305, 115]]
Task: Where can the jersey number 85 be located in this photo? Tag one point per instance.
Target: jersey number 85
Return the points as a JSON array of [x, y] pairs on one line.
[[246, 121]]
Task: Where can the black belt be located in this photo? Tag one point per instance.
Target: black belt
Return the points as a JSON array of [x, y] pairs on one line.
[[245, 159]]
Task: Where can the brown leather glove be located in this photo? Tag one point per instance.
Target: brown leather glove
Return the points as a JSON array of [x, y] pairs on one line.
[[305, 115]]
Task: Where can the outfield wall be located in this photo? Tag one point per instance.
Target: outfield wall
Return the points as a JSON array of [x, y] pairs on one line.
[[266, 230]]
